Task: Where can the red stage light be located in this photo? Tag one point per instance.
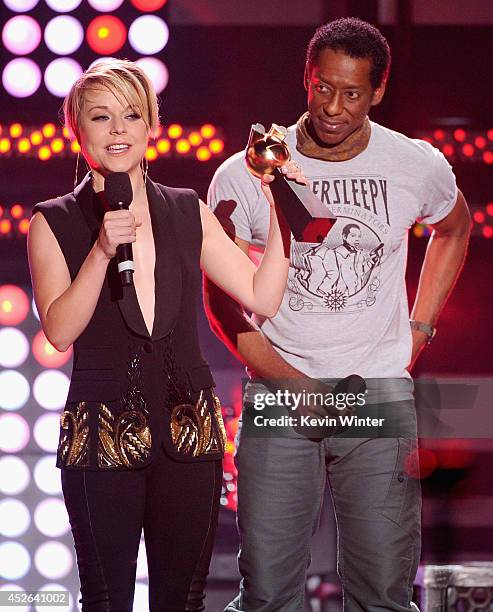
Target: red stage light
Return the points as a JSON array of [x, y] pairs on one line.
[[151, 153], [175, 130], [17, 211], [14, 305], [460, 135], [48, 130], [23, 226], [488, 231], [148, 5], [36, 137], [182, 146], [46, 354], [163, 145], [420, 463], [195, 138], [44, 153], [480, 142], [438, 134], [16, 130], [448, 150], [203, 154], [489, 208], [5, 227], [489, 133], [106, 34], [57, 145], [4, 145], [216, 145], [23, 145], [468, 150], [207, 130], [488, 157], [478, 216]]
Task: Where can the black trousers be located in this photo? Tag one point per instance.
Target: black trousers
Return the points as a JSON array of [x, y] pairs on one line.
[[176, 504]]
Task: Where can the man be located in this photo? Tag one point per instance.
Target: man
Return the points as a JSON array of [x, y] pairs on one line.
[[344, 311]]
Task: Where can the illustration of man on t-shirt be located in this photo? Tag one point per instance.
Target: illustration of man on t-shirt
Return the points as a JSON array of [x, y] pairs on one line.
[[345, 268]]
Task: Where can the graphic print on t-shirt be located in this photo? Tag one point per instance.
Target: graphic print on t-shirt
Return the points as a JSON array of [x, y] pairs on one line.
[[342, 274]]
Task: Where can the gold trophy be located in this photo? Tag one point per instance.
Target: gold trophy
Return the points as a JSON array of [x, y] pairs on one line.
[[307, 217]]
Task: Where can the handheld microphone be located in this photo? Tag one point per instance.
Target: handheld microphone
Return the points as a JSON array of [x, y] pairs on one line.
[[119, 195]]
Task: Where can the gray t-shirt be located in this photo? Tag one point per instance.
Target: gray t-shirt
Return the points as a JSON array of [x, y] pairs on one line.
[[345, 308]]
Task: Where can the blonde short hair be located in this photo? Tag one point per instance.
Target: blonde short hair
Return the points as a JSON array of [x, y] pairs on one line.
[[126, 80]]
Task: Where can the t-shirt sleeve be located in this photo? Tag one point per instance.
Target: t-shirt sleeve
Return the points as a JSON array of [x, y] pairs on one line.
[[232, 196], [439, 191]]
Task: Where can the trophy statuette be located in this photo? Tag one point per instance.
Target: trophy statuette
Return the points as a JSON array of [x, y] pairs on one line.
[[307, 217]]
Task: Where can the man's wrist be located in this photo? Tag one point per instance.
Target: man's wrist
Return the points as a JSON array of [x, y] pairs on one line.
[[426, 328]]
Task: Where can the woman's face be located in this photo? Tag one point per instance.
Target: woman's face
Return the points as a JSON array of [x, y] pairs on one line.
[[113, 136]]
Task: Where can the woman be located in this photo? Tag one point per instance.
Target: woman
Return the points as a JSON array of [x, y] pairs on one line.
[[141, 435]]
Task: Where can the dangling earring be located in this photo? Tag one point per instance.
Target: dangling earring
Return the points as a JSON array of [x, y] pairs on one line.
[[76, 177], [144, 164]]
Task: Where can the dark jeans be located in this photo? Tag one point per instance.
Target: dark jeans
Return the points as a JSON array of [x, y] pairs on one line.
[[177, 506], [281, 481]]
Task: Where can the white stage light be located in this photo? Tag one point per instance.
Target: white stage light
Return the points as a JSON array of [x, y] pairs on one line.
[[156, 71], [14, 433], [18, 589], [63, 6], [53, 586], [51, 518], [15, 561], [14, 518], [105, 6], [14, 390], [21, 77], [142, 561], [20, 6], [60, 75], [141, 597], [50, 389], [148, 34], [14, 347], [21, 35], [47, 475], [64, 35], [53, 560], [14, 475], [46, 431], [97, 60]]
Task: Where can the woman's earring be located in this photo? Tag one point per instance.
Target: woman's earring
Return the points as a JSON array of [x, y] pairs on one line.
[[145, 169], [76, 177]]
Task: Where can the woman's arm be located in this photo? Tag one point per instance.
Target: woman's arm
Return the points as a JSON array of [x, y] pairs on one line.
[[257, 289], [65, 308]]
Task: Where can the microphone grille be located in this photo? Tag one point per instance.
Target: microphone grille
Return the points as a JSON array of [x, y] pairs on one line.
[[118, 188]]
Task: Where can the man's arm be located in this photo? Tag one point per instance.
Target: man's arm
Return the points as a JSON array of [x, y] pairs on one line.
[[238, 332], [443, 262]]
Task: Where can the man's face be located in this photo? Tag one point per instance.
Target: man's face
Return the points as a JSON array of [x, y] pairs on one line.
[[353, 238], [340, 95]]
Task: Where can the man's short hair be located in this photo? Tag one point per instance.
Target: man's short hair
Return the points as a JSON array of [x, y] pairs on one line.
[[355, 38], [347, 228]]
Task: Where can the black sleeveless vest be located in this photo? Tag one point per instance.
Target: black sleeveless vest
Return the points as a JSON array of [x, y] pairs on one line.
[[132, 392]]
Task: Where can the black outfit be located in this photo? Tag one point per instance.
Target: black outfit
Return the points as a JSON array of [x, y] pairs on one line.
[[141, 435]]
